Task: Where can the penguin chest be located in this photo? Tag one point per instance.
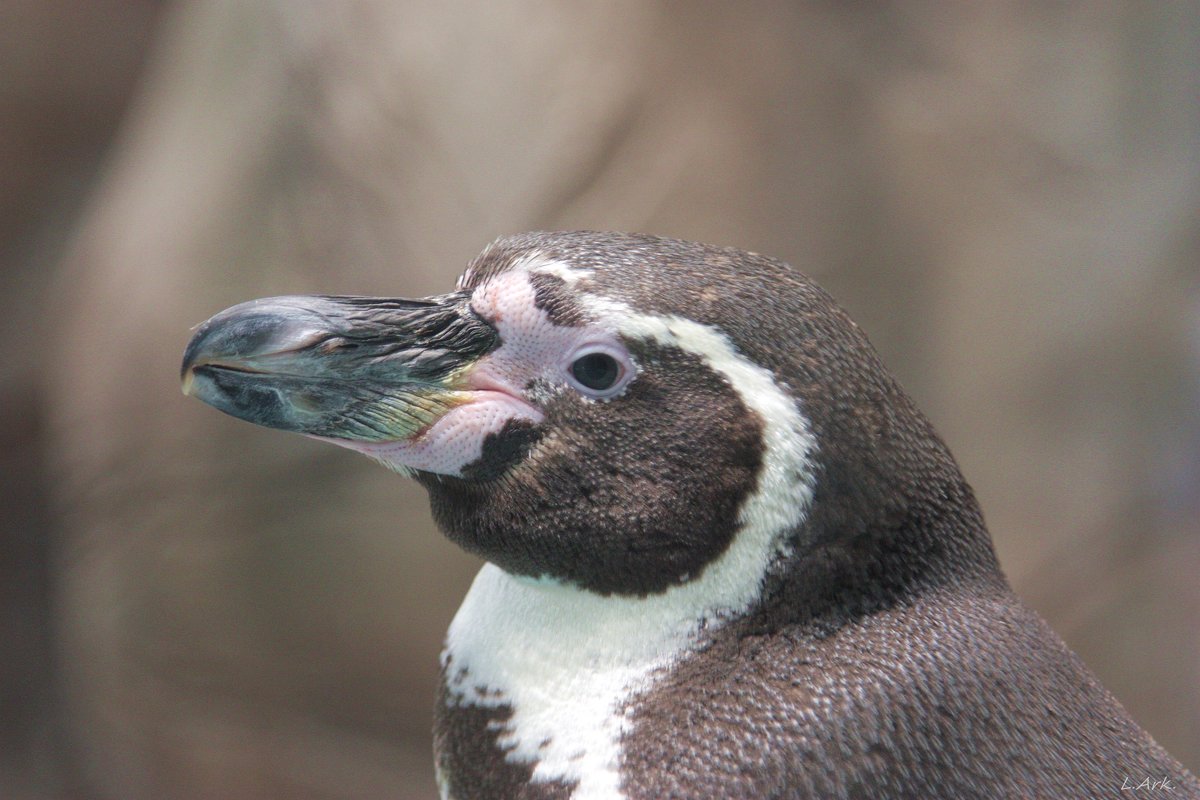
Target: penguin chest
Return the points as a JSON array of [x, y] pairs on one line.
[[561, 740], [533, 705]]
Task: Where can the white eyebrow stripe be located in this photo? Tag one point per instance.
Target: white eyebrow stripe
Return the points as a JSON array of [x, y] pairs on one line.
[[539, 264]]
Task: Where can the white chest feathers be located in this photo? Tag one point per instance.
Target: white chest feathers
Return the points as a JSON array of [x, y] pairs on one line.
[[553, 655]]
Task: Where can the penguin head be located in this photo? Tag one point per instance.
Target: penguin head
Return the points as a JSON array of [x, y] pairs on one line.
[[616, 412]]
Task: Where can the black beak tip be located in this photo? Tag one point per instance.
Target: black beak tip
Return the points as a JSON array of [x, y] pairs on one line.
[[193, 349], [274, 325]]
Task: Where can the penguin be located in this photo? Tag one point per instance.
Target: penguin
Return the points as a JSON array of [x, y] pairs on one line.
[[726, 556]]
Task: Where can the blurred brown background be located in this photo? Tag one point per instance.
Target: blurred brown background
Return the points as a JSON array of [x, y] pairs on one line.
[[1005, 195]]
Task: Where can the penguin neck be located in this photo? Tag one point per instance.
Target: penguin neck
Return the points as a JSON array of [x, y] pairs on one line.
[[546, 624], [541, 624], [565, 664], [897, 555]]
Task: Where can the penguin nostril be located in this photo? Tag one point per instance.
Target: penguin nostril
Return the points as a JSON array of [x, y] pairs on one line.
[[336, 344]]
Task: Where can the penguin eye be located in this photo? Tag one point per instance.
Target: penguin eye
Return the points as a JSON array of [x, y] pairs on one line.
[[599, 373]]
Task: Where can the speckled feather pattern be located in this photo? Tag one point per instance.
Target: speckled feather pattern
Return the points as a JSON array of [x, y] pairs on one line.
[[741, 565], [888, 658], [562, 658]]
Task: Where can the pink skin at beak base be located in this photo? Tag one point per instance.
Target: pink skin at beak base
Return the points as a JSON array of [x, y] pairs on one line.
[[456, 438]]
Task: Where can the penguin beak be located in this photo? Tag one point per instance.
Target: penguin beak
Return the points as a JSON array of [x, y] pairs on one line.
[[356, 369]]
